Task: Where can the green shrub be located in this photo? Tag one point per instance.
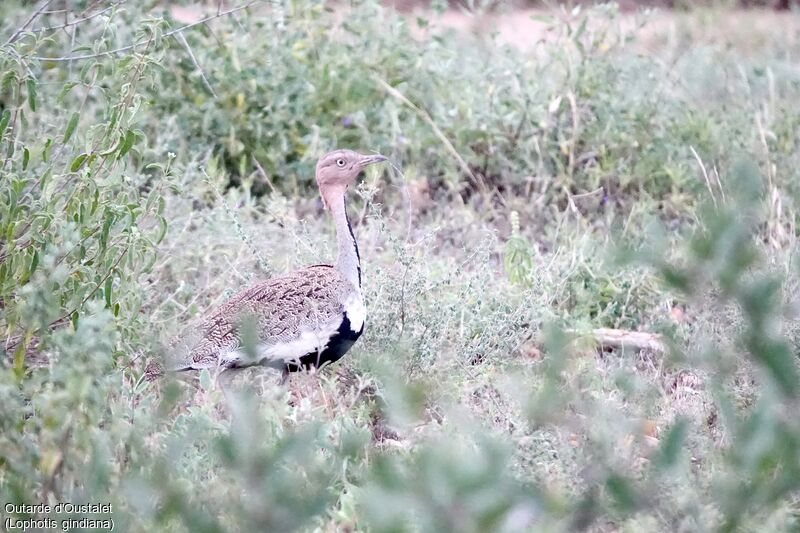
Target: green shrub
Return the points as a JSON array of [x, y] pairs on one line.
[[131, 201]]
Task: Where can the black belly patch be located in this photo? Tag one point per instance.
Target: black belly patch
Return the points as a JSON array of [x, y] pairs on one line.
[[337, 346]]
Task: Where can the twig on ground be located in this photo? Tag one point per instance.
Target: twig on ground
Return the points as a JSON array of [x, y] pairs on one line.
[[611, 338], [621, 338]]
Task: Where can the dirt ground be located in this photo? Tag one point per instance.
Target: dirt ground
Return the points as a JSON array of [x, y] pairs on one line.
[[525, 27]]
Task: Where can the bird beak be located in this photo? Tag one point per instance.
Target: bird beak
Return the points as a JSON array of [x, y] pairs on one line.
[[370, 159]]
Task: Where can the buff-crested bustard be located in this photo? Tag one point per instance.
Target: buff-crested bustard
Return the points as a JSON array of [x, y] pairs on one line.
[[303, 319]]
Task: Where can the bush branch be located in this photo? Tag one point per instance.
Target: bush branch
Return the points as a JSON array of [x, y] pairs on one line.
[[145, 41], [78, 21], [27, 23]]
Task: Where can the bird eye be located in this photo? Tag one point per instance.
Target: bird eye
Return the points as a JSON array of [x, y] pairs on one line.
[[340, 162]]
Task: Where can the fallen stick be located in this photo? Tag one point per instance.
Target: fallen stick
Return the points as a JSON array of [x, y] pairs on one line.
[[620, 338]]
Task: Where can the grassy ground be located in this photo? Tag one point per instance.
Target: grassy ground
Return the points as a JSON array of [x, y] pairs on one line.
[[591, 170]]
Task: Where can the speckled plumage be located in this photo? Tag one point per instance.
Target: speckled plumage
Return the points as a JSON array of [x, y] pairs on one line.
[[304, 318], [281, 309]]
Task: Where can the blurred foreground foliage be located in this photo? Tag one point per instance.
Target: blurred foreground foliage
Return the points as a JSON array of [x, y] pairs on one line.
[[131, 198]]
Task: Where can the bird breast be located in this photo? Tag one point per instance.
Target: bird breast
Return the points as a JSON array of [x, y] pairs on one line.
[[356, 311], [309, 342]]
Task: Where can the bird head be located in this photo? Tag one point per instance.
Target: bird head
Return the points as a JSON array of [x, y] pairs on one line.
[[338, 169]]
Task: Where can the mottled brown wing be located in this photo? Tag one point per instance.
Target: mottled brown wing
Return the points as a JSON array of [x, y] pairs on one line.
[[281, 308]]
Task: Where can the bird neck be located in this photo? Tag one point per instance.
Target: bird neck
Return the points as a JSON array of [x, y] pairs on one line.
[[348, 262]]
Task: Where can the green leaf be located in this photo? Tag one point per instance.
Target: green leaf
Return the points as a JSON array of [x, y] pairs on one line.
[[127, 144], [9, 80], [676, 278], [162, 229], [95, 202], [109, 220], [73, 122], [26, 158], [19, 360], [31, 85], [66, 89], [10, 230], [4, 118], [107, 290], [110, 150], [77, 163], [671, 445], [46, 151], [778, 359], [34, 261], [45, 178], [87, 67], [622, 491]]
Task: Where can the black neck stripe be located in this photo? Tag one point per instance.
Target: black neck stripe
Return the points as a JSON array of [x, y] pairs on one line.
[[355, 245]]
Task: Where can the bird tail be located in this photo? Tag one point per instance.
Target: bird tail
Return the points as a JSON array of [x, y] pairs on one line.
[[156, 370]]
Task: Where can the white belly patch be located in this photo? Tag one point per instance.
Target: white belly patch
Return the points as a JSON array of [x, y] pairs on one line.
[[356, 312], [307, 342], [290, 351]]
